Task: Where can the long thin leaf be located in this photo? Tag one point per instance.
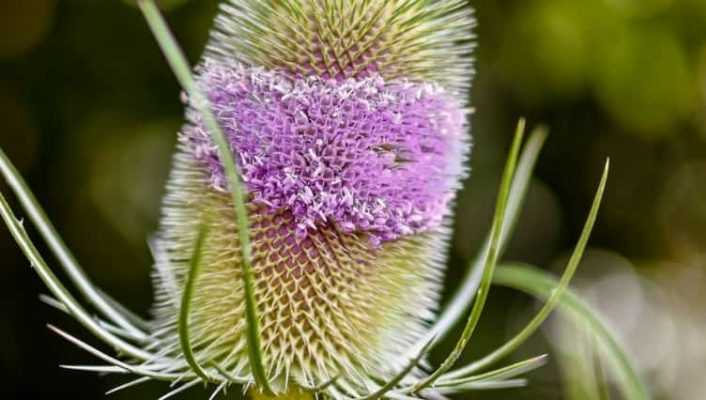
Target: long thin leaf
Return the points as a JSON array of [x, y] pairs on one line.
[[131, 316], [538, 283], [228, 377], [103, 303], [387, 387], [509, 371], [180, 389], [181, 69], [111, 360], [553, 300], [485, 385], [576, 359], [52, 302], [488, 269], [185, 309], [127, 385], [99, 369], [57, 288], [321, 387], [218, 390], [461, 299]]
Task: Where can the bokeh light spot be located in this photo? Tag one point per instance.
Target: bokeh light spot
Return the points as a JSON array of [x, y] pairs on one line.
[[644, 82], [23, 24]]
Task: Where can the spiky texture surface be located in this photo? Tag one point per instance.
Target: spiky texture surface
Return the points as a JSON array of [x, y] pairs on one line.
[[376, 157], [345, 118], [331, 305], [424, 40]]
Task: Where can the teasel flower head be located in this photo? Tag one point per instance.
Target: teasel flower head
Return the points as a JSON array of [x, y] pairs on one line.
[[304, 229], [351, 147]]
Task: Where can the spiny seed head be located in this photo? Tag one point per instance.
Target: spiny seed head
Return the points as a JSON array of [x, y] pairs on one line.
[[423, 40], [346, 120]]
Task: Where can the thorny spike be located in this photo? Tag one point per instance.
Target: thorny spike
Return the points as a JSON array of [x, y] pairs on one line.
[[67, 260]]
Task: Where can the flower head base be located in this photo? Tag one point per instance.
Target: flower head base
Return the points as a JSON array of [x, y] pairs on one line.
[[384, 158]]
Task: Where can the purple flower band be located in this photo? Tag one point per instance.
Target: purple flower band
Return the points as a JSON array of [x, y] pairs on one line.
[[370, 156]]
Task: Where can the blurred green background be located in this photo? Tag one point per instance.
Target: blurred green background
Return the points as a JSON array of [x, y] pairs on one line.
[[90, 111]]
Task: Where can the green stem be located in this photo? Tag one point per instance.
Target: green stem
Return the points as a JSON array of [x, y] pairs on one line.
[[185, 309], [489, 265], [181, 69], [103, 303], [553, 300]]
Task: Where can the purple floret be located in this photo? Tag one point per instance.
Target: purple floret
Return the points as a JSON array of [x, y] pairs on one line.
[[370, 156]]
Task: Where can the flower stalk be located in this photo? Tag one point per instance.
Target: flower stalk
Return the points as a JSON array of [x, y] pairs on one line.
[[181, 69]]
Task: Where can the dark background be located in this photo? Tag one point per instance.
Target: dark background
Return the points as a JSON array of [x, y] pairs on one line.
[[89, 111]]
